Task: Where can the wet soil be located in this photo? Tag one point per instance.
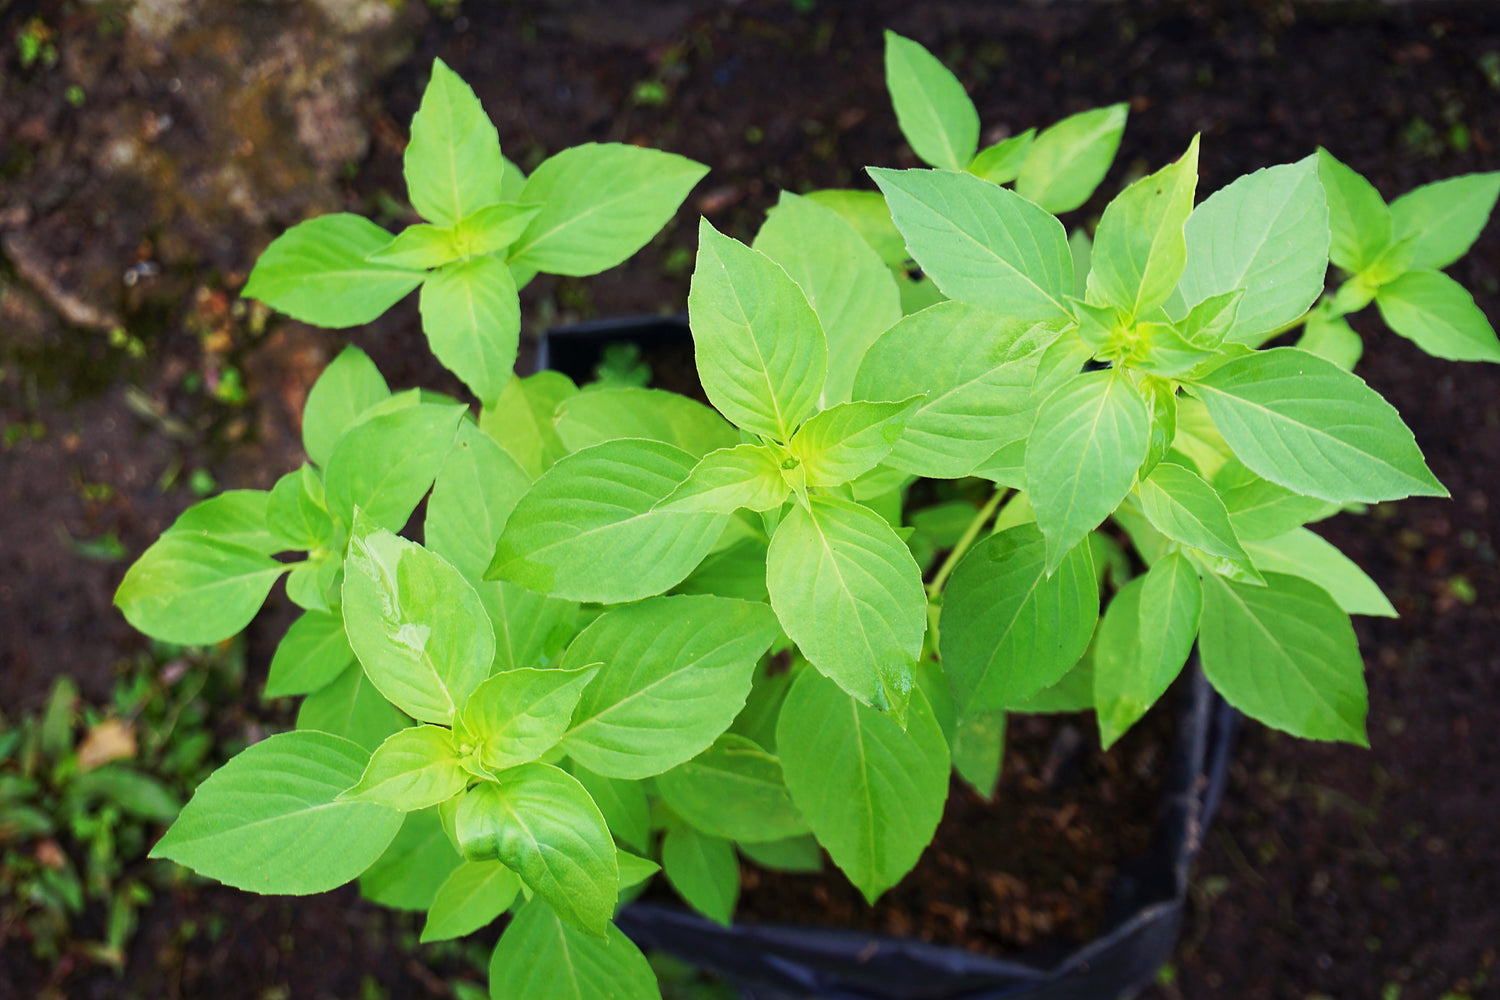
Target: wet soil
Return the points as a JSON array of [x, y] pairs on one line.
[[1333, 871]]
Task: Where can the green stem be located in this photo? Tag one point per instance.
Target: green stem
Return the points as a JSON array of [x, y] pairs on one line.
[[965, 540]]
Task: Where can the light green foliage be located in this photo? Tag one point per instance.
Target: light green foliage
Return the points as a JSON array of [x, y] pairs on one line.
[[1301, 553], [981, 243], [934, 112], [872, 792], [386, 464], [310, 656], [235, 517], [521, 420], [194, 589], [850, 595], [542, 957], [590, 418], [590, 530], [453, 164], [1143, 642], [849, 287], [1091, 435], [1139, 247], [1445, 218], [1438, 315], [410, 872], [841, 443], [1284, 654], [473, 322], [734, 790], [977, 388], [1067, 161], [319, 272], [269, 820], [623, 805], [761, 352], [295, 515], [1265, 234], [703, 870], [600, 203], [676, 671], [475, 490], [349, 386], [1277, 408], [1357, 216], [977, 747], [724, 481], [539, 822], [1000, 163], [474, 894], [415, 623], [351, 707], [518, 715], [1008, 627], [414, 768], [1180, 505], [1329, 336]]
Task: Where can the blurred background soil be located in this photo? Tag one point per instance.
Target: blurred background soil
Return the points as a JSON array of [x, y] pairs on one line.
[[150, 150]]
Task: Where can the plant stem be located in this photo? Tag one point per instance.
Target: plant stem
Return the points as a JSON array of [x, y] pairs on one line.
[[965, 540]]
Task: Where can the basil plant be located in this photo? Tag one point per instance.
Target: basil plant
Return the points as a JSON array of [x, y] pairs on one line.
[[643, 634]]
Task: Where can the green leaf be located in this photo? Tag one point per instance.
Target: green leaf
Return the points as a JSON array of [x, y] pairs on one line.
[[295, 515], [1091, 435], [349, 386], [1446, 217], [1180, 505], [1008, 629], [472, 319], [470, 898], [453, 164], [978, 750], [516, 716], [1000, 163], [724, 481], [1068, 160], [414, 768], [415, 623], [981, 243], [849, 287], [310, 656], [1074, 691], [588, 530], [1302, 553], [1331, 337], [848, 592], [622, 804], [1357, 215], [318, 272], [1285, 654], [541, 957], [540, 823], [1261, 509], [676, 672], [761, 352], [386, 464], [235, 517], [493, 228], [420, 246], [795, 854], [978, 388], [521, 419], [866, 211], [600, 415], [410, 872], [934, 112], [737, 570], [1438, 315], [1310, 426], [530, 628], [193, 589], [872, 792], [734, 790], [843, 442], [1266, 233], [138, 794], [600, 203], [1143, 642], [477, 487], [351, 707], [269, 820], [1140, 250], [703, 870]]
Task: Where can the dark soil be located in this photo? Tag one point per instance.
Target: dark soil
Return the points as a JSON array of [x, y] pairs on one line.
[[1333, 871], [1032, 867]]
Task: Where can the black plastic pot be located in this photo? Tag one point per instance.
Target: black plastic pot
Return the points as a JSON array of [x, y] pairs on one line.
[[802, 963]]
